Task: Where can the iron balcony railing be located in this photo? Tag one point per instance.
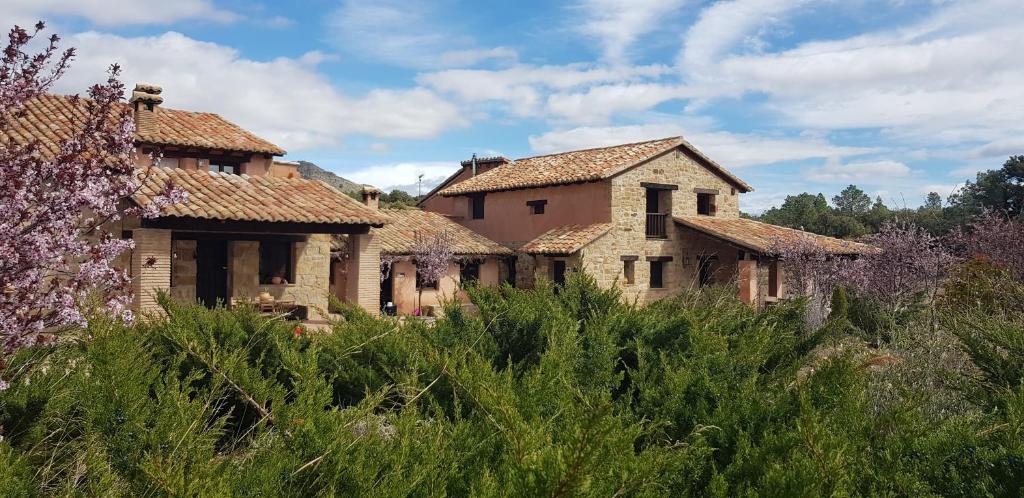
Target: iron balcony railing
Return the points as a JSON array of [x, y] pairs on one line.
[[656, 225]]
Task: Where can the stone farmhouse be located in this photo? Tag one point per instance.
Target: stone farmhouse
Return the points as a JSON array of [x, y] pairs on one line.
[[652, 217], [250, 225]]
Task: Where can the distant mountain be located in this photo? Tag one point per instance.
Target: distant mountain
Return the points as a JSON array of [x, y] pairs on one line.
[[314, 172]]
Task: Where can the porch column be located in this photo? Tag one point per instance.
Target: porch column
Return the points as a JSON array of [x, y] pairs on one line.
[[150, 267], [312, 271], [363, 285], [748, 281]]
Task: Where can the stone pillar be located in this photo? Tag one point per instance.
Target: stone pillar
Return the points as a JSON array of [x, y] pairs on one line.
[[748, 281], [151, 268], [364, 272], [312, 271]]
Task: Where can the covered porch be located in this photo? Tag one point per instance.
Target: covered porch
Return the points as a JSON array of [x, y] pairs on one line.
[[246, 239]]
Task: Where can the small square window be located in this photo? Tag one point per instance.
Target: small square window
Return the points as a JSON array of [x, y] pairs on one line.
[[537, 207], [469, 272], [629, 272]]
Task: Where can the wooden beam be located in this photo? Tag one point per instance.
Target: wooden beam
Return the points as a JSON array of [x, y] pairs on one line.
[[629, 258], [253, 227], [659, 186], [659, 258], [713, 191]]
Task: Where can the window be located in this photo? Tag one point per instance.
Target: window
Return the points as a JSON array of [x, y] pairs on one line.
[[420, 284], [477, 206], [537, 207], [558, 272], [657, 279], [470, 272], [706, 204], [629, 271], [228, 165], [773, 279], [275, 261], [168, 162]]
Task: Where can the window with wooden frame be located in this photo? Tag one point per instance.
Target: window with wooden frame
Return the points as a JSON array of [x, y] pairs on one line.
[[229, 165], [705, 204], [657, 280], [469, 271], [476, 206], [537, 206]]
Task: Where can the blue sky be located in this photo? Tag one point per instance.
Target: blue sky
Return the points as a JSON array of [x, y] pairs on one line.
[[900, 97]]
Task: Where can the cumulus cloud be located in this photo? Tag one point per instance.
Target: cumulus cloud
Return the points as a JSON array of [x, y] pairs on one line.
[[870, 172], [286, 100], [405, 33], [404, 176], [115, 12], [617, 24], [732, 150]]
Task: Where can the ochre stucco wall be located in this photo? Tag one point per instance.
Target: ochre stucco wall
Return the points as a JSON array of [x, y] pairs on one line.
[[508, 220], [404, 292]]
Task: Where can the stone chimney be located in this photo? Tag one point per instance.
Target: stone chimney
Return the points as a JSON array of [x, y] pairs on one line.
[[371, 196], [145, 98]]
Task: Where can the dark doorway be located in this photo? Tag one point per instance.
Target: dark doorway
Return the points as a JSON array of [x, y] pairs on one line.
[[386, 288], [559, 272], [652, 201], [706, 270], [211, 271]]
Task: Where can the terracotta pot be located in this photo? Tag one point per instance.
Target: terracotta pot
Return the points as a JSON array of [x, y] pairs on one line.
[[276, 280], [265, 296]]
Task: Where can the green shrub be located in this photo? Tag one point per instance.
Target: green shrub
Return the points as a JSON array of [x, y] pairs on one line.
[[568, 393]]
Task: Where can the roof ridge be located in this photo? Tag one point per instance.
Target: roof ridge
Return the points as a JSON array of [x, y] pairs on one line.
[[676, 137]]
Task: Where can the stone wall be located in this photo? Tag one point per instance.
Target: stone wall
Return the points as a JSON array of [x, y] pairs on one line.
[[602, 258], [150, 268], [311, 265]]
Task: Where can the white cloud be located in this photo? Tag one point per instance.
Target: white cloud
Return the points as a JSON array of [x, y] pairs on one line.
[[731, 150], [599, 104], [284, 100], [521, 88], [617, 24], [403, 176], [1001, 148], [115, 12], [406, 33], [723, 26], [870, 172]]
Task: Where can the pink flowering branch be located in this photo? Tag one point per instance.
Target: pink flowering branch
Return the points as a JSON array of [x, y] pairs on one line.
[[433, 254], [56, 254]]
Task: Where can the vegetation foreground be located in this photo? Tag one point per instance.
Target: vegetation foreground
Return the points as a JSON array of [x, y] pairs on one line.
[[543, 394]]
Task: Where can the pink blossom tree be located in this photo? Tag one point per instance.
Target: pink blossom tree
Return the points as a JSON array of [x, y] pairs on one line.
[[809, 271], [55, 254], [909, 265], [993, 237], [433, 254]]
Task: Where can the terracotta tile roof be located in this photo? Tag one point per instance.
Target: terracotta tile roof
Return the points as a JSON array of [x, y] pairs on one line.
[[760, 237], [398, 235], [221, 196], [52, 119], [578, 166], [565, 239]]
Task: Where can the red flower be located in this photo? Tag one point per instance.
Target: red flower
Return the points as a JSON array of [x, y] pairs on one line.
[[298, 330]]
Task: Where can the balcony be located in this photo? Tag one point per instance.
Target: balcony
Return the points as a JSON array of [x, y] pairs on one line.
[[656, 223]]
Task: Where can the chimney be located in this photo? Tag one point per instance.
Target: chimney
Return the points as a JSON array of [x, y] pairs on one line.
[[145, 98], [371, 196]]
